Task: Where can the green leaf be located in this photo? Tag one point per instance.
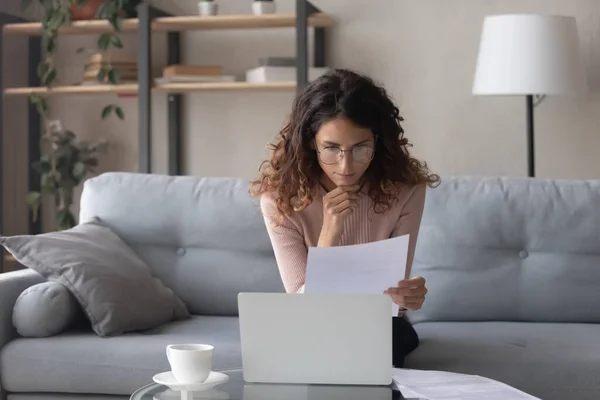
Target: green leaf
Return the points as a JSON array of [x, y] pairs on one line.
[[43, 106], [56, 20], [67, 20], [48, 183], [101, 75], [79, 170], [107, 110], [49, 42], [115, 21], [35, 98], [104, 41], [33, 198], [42, 68], [120, 113], [39, 102], [107, 10], [114, 76], [41, 166], [65, 220], [49, 77], [82, 3], [116, 42]]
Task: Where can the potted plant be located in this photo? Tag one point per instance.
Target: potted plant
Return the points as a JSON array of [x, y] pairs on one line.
[[86, 10], [64, 165], [58, 13], [260, 7], [208, 7]]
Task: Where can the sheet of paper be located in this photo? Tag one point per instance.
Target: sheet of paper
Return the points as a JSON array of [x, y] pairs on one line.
[[368, 268], [440, 385]]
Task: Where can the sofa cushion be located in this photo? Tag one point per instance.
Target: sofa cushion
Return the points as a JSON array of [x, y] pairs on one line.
[[45, 309], [510, 249], [546, 360], [81, 362], [112, 284], [206, 238]]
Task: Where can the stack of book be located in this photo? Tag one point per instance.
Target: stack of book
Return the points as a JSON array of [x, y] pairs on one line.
[[193, 73], [123, 62], [279, 69]]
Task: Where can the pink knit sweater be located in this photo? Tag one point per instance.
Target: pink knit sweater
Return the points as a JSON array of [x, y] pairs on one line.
[[301, 230]]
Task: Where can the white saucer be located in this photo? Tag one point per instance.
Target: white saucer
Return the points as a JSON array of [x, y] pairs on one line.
[[167, 379], [210, 394]]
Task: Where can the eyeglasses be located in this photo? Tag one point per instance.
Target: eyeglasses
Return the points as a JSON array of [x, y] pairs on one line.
[[332, 155]]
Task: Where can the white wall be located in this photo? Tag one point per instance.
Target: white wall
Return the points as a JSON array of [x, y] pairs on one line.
[[423, 51]]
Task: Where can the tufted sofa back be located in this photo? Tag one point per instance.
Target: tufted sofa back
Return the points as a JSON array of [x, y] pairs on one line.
[[512, 249], [203, 237]]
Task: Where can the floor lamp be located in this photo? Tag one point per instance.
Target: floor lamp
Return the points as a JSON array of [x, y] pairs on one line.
[[529, 55]]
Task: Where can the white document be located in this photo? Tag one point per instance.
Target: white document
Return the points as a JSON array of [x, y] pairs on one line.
[[368, 268], [440, 385]]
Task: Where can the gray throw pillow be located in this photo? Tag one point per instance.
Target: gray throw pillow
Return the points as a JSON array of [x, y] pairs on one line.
[[44, 310], [111, 283]]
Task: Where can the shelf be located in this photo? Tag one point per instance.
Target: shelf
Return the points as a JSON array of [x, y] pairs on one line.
[[224, 86], [184, 23], [75, 89], [175, 24], [165, 88]]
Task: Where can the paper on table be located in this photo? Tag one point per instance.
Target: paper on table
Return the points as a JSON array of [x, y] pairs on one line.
[[440, 385], [368, 268]]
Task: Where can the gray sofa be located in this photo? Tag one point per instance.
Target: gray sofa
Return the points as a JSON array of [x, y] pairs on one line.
[[513, 268]]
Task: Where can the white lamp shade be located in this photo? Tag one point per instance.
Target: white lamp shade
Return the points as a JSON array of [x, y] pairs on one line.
[[529, 55]]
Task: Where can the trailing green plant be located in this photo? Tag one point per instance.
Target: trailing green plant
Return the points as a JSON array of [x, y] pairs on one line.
[[57, 13], [65, 163]]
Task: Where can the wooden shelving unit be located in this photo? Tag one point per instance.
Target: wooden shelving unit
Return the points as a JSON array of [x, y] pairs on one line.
[[132, 89], [178, 24], [74, 90], [149, 20], [224, 86]]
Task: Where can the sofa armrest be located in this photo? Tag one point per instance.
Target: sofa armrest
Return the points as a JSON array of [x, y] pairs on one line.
[[12, 284]]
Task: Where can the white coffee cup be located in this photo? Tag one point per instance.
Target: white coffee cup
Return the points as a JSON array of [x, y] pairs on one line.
[[190, 363]]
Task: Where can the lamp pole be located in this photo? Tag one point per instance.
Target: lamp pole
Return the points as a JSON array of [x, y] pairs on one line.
[[530, 143]]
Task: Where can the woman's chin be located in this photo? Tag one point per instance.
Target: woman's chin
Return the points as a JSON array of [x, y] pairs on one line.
[[346, 180]]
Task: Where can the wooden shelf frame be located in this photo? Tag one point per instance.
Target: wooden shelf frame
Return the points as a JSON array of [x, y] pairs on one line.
[[73, 90], [151, 20], [132, 88], [177, 24]]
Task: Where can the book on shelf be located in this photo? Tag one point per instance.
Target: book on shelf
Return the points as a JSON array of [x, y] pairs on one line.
[[266, 74], [113, 57], [192, 70], [193, 79], [277, 61]]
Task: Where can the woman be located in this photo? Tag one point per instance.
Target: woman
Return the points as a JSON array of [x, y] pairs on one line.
[[341, 174]]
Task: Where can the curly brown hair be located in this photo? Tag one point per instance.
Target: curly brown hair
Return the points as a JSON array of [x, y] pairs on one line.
[[293, 170]]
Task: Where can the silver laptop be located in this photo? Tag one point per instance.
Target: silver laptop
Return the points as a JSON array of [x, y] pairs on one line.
[[316, 338]]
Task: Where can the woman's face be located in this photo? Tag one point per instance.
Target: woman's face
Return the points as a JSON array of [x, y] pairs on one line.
[[344, 152]]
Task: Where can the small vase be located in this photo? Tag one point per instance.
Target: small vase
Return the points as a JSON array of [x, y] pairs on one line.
[[86, 12], [263, 7], [208, 8]]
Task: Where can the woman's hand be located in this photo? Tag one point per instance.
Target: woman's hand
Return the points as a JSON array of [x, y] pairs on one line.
[[337, 206], [409, 294]]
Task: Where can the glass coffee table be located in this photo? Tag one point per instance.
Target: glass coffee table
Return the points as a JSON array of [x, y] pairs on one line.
[[237, 389]]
